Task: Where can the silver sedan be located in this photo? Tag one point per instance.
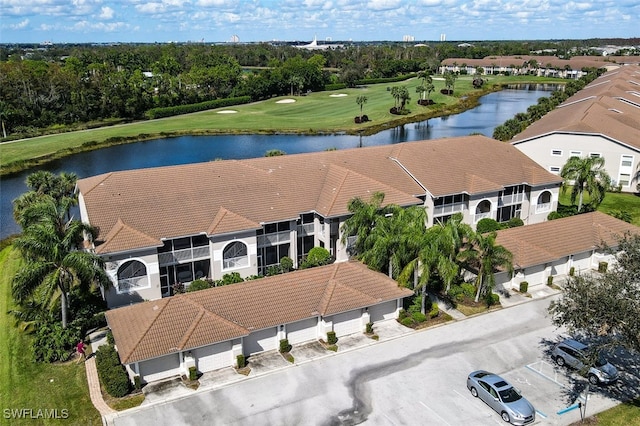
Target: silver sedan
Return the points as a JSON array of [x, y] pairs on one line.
[[498, 394]]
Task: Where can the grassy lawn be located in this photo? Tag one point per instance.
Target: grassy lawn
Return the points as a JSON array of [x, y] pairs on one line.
[[612, 201], [625, 414], [25, 385], [315, 113]]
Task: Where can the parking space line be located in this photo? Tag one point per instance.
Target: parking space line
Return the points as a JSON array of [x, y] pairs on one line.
[[390, 420], [437, 415], [539, 368], [541, 414]]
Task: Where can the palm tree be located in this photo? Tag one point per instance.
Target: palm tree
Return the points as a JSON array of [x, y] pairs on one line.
[[451, 239], [587, 174], [43, 183], [361, 100], [53, 264], [393, 241], [362, 220], [487, 256]]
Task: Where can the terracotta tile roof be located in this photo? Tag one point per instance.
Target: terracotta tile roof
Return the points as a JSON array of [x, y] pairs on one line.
[[552, 240], [235, 195], [602, 108], [574, 63], [123, 237], [187, 321]]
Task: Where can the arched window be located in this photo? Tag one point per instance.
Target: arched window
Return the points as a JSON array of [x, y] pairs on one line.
[[235, 255], [132, 275], [483, 210], [544, 202]]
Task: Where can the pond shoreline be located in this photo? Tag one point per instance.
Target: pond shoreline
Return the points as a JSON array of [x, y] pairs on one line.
[[465, 103]]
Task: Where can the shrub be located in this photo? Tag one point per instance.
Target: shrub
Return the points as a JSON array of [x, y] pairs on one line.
[[435, 311], [198, 285], [110, 339], [331, 338], [193, 373], [550, 280], [402, 314], [112, 374], [419, 317], [572, 271], [602, 267], [487, 225], [286, 264], [407, 321], [317, 256], [493, 299], [137, 383], [284, 346], [524, 286], [369, 328], [53, 343], [202, 106], [514, 222], [468, 289], [241, 361]]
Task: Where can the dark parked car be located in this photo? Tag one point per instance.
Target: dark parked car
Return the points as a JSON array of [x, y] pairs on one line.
[[498, 394], [577, 355]]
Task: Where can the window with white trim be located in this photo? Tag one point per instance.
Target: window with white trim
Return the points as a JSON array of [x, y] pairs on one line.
[[235, 255], [132, 275], [575, 154], [595, 155], [624, 179], [626, 161], [556, 152], [554, 169]]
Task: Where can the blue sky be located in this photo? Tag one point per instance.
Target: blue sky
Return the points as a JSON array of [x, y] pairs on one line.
[[63, 21]]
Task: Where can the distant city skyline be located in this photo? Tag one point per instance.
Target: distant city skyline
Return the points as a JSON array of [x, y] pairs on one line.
[[85, 21]]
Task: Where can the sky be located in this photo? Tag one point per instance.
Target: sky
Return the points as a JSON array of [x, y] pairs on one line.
[[101, 21]]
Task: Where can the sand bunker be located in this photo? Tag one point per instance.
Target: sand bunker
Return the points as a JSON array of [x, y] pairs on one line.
[[286, 101], [338, 95], [227, 111]]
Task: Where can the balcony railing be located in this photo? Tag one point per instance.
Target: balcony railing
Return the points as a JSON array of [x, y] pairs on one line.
[[506, 200], [184, 255], [127, 285], [448, 209], [274, 239], [306, 229], [235, 262], [541, 208]]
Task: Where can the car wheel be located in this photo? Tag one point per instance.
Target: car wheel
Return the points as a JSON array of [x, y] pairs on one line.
[[474, 392], [505, 416], [593, 379], [560, 361]]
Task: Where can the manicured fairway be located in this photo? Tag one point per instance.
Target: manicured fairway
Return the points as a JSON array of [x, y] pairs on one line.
[[315, 113]]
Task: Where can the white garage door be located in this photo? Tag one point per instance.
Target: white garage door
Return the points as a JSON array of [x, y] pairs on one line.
[[383, 311], [348, 323], [261, 341], [214, 357], [302, 331], [160, 368]]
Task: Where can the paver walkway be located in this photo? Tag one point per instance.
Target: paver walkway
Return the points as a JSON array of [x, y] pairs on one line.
[[94, 387]]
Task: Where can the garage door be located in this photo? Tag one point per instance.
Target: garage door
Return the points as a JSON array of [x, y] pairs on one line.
[[261, 341], [214, 357], [160, 368], [348, 323], [302, 331], [383, 311]]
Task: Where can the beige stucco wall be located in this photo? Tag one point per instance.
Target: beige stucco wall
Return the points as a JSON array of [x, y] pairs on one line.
[[540, 150], [218, 243], [149, 258]]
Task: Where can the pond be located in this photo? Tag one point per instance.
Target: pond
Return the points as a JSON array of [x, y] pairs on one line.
[[494, 109]]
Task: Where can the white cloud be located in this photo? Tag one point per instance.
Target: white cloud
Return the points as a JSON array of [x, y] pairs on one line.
[[106, 13], [384, 4], [20, 25]]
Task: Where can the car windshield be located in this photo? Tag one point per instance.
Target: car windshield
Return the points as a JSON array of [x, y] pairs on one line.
[[600, 361], [509, 395]]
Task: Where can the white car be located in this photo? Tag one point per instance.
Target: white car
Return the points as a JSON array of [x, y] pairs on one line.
[[575, 354]]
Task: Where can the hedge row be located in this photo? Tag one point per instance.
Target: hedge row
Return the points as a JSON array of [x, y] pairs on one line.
[[202, 106], [112, 374], [384, 80]]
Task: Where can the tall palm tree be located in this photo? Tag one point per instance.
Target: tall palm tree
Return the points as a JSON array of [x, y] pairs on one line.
[[587, 174], [60, 187], [361, 100], [362, 220], [487, 256], [454, 233], [53, 263]]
